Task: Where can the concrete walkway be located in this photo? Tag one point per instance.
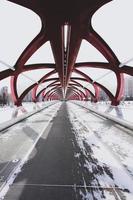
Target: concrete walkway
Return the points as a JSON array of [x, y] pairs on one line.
[[49, 173], [64, 165]]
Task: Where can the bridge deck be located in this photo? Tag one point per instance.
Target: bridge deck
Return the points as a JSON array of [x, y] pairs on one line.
[[60, 169], [51, 163]]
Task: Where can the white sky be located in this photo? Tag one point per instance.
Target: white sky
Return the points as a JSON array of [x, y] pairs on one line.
[[19, 26]]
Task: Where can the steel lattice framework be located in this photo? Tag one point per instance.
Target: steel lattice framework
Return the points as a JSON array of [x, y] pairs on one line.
[[77, 15]]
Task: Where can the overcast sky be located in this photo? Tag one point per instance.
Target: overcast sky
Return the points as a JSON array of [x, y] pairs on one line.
[[19, 26]]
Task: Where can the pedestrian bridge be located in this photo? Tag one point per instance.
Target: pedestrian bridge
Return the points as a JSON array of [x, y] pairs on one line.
[[67, 150], [66, 100]]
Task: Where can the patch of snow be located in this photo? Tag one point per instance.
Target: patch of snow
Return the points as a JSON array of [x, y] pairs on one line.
[[125, 110], [9, 181], [6, 112], [107, 170]]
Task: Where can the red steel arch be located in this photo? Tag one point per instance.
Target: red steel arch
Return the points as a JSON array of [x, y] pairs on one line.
[[77, 15]]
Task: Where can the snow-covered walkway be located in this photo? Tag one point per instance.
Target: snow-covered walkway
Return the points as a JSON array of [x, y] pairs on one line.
[[83, 155], [104, 153]]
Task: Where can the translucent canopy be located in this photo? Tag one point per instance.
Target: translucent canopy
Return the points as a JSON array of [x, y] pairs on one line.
[[74, 74], [113, 23], [103, 76], [54, 75], [48, 89], [80, 88], [26, 79], [3, 66], [109, 81], [18, 26], [42, 55], [87, 85], [42, 86], [88, 53]]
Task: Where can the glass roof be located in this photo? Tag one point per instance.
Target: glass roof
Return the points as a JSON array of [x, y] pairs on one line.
[[80, 88], [18, 26], [74, 74], [87, 85], [103, 76], [113, 23], [48, 89], [42, 55], [42, 86], [54, 76], [3, 66], [27, 79], [88, 53], [110, 82]]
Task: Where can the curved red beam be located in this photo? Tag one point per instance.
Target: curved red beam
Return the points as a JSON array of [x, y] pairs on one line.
[[55, 91], [73, 94], [54, 88], [112, 98], [73, 97], [96, 40], [35, 44], [101, 65], [120, 89], [78, 93], [127, 70], [90, 81], [38, 66], [43, 90], [18, 100], [79, 28], [86, 89], [53, 96], [6, 73]]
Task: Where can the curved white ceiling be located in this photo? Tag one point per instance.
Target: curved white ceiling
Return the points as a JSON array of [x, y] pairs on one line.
[[18, 26], [88, 53], [114, 23], [103, 76], [42, 86], [26, 79], [42, 55]]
